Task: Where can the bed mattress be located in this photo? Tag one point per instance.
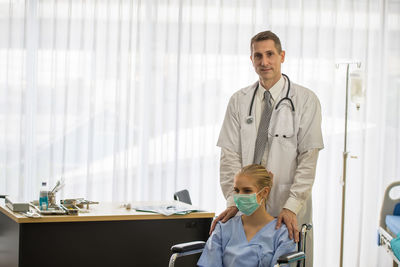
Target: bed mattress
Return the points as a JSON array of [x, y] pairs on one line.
[[393, 224]]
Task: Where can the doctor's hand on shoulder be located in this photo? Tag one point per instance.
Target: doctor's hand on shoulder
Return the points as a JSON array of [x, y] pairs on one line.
[[224, 217], [289, 218]]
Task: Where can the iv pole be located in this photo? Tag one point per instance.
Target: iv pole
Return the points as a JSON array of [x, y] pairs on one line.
[[345, 154]]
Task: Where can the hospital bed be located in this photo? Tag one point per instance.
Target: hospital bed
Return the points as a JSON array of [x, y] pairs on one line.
[[292, 258], [389, 225]]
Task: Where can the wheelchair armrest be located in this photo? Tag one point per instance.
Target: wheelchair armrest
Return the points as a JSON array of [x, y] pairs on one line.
[[291, 257], [184, 247]]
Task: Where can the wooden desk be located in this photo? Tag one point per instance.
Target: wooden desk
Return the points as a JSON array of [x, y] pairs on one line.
[[109, 235]]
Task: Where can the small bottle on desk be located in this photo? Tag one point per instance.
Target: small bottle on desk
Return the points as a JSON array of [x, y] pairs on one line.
[[43, 197]]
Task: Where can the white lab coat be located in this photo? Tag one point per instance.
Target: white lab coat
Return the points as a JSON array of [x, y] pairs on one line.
[[290, 134]]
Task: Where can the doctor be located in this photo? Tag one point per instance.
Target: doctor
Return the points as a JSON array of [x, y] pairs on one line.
[[285, 136]]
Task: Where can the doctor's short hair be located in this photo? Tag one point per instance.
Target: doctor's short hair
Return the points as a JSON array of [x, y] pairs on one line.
[[266, 35], [263, 178]]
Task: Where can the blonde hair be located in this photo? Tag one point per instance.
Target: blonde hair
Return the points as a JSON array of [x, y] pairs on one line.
[[263, 178]]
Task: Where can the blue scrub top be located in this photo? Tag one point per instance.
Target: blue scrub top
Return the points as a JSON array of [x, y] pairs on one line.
[[228, 245]]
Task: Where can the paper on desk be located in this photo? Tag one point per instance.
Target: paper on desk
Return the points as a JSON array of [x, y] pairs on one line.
[[167, 209]]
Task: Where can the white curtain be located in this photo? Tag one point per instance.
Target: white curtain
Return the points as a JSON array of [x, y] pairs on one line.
[[125, 99]]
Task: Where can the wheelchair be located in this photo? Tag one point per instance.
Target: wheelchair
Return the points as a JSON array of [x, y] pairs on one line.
[[195, 247], [297, 257]]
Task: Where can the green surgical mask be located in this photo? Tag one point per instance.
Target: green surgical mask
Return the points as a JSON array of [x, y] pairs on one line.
[[247, 203]]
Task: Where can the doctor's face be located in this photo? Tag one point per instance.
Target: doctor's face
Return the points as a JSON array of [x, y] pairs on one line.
[[267, 61]]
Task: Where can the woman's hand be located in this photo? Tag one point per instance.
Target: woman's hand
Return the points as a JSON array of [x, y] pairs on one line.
[[224, 216]]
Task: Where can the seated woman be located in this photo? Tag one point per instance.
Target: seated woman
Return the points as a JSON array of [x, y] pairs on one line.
[[250, 239]]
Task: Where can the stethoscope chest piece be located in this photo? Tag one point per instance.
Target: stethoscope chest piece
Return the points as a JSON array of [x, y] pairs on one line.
[[249, 119]]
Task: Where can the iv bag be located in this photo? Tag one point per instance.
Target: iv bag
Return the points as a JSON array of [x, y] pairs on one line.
[[356, 87]]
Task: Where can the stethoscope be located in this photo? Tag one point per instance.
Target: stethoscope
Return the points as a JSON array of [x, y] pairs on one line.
[[250, 118]]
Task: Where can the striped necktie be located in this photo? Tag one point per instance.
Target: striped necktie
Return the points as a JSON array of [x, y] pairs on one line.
[[262, 134]]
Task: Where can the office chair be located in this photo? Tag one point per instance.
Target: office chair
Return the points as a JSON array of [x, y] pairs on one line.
[[183, 196]]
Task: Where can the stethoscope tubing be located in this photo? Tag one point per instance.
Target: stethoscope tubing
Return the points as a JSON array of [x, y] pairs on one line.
[[250, 120]]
